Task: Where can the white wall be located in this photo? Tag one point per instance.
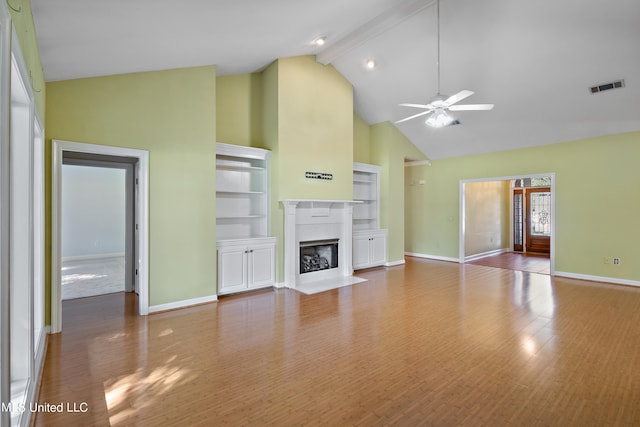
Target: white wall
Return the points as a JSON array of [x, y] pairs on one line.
[[93, 210], [486, 217]]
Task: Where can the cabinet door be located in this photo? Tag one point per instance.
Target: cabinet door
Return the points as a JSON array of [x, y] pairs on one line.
[[360, 251], [232, 269], [378, 247], [262, 266]]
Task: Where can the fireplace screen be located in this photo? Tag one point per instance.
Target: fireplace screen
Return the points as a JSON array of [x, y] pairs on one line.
[[318, 255]]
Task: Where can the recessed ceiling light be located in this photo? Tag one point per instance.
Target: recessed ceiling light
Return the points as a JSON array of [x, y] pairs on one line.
[[370, 64], [320, 41]]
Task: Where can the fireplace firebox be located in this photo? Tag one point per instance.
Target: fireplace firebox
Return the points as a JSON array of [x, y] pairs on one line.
[[317, 255]]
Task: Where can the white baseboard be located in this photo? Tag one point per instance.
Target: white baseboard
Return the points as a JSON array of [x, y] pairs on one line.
[[436, 257], [485, 254], [279, 285], [590, 278], [182, 304], [93, 256], [394, 263]]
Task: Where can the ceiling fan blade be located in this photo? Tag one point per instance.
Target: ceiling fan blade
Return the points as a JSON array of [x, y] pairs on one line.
[[414, 116], [457, 97], [429, 106], [471, 107]]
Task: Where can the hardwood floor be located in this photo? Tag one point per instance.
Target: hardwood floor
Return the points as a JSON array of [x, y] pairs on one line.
[[430, 343], [522, 261]]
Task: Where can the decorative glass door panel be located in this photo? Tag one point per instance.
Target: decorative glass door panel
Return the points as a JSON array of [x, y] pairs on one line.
[[518, 221], [538, 219], [540, 213]]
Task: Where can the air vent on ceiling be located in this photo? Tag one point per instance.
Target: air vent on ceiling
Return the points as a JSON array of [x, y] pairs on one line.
[[607, 86]]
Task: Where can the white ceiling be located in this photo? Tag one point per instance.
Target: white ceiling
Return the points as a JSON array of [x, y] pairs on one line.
[[535, 60]]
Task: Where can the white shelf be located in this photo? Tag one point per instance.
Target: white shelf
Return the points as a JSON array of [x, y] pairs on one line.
[[231, 192], [240, 217], [229, 167], [366, 190], [364, 180], [242, 192]]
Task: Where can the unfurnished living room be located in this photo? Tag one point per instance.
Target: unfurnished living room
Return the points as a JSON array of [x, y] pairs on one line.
[[382, 212]]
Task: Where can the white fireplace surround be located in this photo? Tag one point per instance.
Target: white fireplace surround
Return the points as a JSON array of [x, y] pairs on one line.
[[306, 220]]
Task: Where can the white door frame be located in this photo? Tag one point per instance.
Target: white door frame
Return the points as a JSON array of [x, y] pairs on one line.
[[552, 253], [142, 219]]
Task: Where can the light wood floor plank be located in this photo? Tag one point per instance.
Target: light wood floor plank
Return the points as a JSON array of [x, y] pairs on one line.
[[428, 343]]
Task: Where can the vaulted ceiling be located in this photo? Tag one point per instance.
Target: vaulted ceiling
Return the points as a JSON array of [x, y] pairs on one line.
[[535, 60]]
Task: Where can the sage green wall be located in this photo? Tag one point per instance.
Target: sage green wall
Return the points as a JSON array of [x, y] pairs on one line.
[[239, 110], [389, 149], [486, 216], [361, 140], [597, 204], [315, 129], [172, 115], [22, 19]]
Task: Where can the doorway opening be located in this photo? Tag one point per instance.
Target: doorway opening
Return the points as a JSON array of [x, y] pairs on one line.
[[136, 224], [98, 222], [495, 218]]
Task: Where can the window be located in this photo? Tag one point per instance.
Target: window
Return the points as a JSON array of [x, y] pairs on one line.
[[544, 181]]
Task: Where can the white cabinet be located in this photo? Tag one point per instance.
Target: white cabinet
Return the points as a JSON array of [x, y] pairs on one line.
[[246, 253], [369, 241], [246, 264], [369, 248]]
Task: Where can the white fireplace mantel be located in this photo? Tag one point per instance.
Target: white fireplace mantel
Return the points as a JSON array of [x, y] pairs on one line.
[[307, 219]]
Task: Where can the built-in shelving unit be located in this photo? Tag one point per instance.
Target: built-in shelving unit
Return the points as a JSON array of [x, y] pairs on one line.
[[369, 241], [366, 189], [246, 253], [242, 184]]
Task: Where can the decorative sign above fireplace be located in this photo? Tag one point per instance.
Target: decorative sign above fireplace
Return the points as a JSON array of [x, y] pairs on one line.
[[318, 175], [317, 255]]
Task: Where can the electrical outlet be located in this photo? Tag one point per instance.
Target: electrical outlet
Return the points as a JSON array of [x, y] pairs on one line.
[[616, 261]]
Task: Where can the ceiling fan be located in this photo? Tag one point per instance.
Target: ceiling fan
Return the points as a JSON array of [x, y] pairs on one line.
[[439, 104]]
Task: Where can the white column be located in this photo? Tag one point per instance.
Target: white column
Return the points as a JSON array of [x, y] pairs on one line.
[[290, 243], [347, 239]]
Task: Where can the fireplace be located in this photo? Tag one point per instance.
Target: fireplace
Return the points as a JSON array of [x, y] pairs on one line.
[[325, 224], [317, 255]]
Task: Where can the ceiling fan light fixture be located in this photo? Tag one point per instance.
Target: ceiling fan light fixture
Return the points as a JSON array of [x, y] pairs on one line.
[[439, 118]]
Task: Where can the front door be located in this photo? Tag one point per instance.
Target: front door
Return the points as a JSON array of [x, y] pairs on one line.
[[538, 219]]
